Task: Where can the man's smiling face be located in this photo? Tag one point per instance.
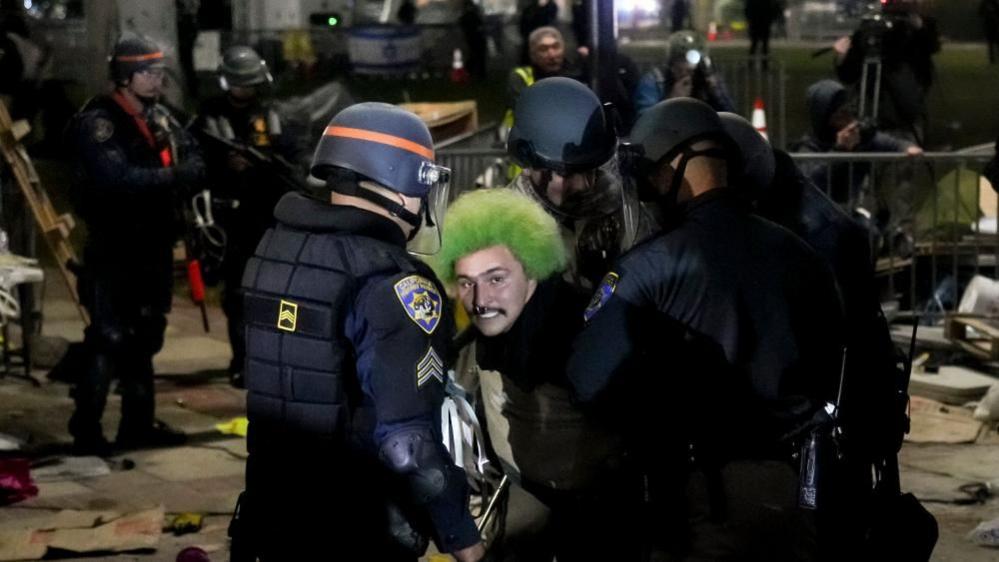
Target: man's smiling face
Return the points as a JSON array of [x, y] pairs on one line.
[[493, 288]]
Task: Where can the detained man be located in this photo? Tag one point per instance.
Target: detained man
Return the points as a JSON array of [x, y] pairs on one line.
[[503, 254]]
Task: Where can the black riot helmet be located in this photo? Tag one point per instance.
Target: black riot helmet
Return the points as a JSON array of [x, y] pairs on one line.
[[133, 54], [667, 130], [242, 66], [758, 163], [560, 125]]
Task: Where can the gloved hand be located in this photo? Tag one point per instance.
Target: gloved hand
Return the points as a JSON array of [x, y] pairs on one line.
[[189, 173]]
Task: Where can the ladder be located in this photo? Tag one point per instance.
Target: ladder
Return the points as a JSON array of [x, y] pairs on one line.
[[54, 227]]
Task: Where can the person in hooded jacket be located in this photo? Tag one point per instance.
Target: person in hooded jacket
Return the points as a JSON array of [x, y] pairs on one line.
[[836, 128]]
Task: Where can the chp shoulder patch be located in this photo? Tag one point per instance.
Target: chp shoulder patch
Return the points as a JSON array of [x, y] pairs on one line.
[[603, 294], [421, 301], [430, 367], [102, 129]]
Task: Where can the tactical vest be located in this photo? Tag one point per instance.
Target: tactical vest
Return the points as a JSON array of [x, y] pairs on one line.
[[260, 126], [298, 289]]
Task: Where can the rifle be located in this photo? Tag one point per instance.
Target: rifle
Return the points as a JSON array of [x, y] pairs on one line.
[[287, 173]]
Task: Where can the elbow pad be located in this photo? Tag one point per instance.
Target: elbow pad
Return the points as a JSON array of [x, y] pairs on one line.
[[415, 454]]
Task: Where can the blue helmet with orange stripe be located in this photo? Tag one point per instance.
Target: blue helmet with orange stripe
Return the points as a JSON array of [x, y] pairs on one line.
[[381, 143], [133, 54]]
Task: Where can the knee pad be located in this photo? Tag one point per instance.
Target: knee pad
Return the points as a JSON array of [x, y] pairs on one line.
[[413, 454]]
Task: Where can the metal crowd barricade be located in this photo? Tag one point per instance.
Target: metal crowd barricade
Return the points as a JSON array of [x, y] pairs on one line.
[[473, 168], [934, 218]]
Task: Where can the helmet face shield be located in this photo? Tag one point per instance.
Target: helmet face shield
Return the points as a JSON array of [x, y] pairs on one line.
[[426, 240], [574, 195]]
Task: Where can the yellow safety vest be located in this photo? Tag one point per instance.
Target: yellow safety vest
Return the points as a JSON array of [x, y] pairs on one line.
[[526, 74]]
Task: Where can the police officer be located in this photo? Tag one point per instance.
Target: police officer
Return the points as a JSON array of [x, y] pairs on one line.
[[716, 342], [872, 432], [132, 158], [249, 159], [566, 143], [347, 339]]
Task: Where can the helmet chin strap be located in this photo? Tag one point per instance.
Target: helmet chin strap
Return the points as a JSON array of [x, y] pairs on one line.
[[669, 199], [353, 188]]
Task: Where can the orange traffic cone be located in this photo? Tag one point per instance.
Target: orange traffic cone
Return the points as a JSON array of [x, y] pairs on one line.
[[760, 118], [712, 31], [458, 73]]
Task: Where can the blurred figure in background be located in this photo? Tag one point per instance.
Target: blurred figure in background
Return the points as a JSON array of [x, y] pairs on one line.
[[536, 14], [760, 16], [988, 10], [687, 73], [472, 25], [248, 154]]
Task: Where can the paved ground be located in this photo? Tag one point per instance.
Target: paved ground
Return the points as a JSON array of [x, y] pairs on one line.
[[206, 475]]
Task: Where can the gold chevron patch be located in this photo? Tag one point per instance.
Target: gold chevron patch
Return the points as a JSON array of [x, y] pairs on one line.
[[287, 316]]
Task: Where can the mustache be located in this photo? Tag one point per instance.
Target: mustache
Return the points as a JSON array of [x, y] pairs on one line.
[[480, 310]]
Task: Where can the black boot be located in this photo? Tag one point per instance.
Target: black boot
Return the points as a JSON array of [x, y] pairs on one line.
[[158, 435]]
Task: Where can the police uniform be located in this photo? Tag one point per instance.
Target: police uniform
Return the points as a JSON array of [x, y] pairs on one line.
[[561, 128], [243, 201], [869, 418], [129, 165], [722, 336], [347, 339], [722, 330]]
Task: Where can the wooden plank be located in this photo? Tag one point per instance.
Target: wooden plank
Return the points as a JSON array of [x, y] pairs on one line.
[[54, 227], [933, 422], [973, 335], [20, 129], [446, 120], [927, 337], [951, 385]]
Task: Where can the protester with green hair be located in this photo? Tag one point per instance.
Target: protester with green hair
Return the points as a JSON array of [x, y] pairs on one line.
[[503, 254], [505, 235]]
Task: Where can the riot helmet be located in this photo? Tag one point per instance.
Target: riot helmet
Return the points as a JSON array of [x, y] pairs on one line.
[[242, 67], [560, 125], [389, 146], [133, 54], [560, 128], [759, 165], [670, 129]]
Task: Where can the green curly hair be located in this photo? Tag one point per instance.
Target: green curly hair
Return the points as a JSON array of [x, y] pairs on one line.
[[500, 217]]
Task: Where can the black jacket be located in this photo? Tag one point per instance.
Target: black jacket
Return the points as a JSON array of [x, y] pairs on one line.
[[797, 204], [126, 188], [723, 331]]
